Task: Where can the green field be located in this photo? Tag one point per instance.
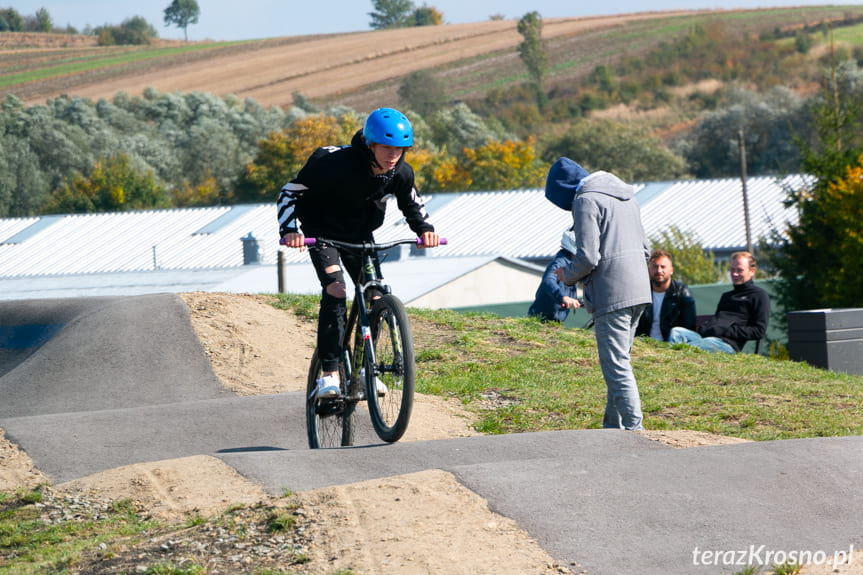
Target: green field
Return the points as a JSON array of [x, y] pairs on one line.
[[121, 56]]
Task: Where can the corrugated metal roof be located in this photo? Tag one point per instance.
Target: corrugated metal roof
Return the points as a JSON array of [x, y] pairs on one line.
[[136, 241], [713, 210], [410, 279], [516, 224]]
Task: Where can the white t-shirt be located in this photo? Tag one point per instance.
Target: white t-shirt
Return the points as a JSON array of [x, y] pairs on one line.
[[655, 331]]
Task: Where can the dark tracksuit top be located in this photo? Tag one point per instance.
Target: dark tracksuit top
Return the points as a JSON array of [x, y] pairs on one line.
[[336, 196], [741, 314]]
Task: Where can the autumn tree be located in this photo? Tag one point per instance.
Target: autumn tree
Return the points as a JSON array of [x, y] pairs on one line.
[[427, 16], [441, 172], [692, 264], [281, 154], [819, 258], [204, 193], [272, 167], [841, 211], [133, 31], [505, 165], [181, 13], [111, 185], [495, 165]]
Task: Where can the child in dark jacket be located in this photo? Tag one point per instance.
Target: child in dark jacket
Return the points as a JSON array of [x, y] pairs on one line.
[[341, 194], [553, 298]]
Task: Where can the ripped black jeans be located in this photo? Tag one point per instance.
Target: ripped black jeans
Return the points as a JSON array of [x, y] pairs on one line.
[[333, 311]]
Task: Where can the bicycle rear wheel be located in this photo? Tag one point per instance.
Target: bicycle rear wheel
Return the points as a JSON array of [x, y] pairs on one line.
[[394, 367], [329, 422]]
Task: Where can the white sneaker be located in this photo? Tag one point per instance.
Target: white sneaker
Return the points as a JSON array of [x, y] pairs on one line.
[[379, 385], [328, 386]]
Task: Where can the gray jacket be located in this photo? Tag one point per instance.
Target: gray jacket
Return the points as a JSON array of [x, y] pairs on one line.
[[612, 249]]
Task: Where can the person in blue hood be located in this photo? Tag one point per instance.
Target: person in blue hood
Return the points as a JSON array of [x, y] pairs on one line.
[[610, 260]]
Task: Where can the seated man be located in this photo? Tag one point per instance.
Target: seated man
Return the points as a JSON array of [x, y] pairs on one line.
[[742, 313], [672, 298], [553, 298]]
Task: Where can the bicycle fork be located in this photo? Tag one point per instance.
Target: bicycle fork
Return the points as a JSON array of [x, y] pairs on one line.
[[362, 350]]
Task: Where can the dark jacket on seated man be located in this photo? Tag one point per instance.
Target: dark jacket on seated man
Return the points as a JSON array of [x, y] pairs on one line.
[[678, 310], [741, 314]]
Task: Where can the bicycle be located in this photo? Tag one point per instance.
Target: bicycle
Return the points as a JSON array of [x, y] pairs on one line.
[[382, 351]]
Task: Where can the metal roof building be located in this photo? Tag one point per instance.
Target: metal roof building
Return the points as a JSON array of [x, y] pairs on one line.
[[207, 249]]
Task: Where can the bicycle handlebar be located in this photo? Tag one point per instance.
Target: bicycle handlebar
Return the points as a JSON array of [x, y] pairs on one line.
[[372, 245]]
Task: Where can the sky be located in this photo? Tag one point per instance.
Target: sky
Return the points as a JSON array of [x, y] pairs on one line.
[[255, 19]]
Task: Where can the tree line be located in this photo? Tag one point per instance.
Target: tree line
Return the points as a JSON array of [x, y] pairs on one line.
[[173, 150], [132, 31], [182, 13], [202, 149]]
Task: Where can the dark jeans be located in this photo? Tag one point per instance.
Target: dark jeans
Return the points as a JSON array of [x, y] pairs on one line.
[[332, 315]]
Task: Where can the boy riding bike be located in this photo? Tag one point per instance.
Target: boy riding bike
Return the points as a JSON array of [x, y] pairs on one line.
[[341, 194]]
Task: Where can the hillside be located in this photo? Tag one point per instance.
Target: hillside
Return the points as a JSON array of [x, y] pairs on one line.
[[269, 71], [361, 69]]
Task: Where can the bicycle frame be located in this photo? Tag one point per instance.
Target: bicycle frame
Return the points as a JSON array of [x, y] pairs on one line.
[[360, 312]]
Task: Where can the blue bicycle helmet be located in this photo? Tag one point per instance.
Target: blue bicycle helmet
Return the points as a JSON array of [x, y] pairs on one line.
[[390, 127]]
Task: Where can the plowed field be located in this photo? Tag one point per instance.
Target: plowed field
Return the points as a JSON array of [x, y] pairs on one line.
[[318, 66], [363, 69]]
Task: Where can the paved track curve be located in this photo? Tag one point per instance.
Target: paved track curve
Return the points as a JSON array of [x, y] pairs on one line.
[[90, 384]]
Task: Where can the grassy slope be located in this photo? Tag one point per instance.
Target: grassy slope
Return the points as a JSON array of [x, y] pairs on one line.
[[520, 375]]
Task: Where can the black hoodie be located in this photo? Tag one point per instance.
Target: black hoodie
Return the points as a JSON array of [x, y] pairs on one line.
[[336, 195], [741, 314]]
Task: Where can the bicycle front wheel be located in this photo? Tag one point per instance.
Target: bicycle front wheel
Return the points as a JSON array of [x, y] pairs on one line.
[[390, 407], [329, 422]]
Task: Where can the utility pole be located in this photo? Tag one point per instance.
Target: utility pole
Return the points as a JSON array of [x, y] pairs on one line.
[[280, 269], [742, 146]]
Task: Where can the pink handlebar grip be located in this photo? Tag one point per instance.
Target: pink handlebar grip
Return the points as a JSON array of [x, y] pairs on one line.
[[306, 241], [442, 241]]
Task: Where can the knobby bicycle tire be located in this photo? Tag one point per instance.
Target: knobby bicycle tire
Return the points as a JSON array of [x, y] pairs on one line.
[[329, 422], [394, 366]]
